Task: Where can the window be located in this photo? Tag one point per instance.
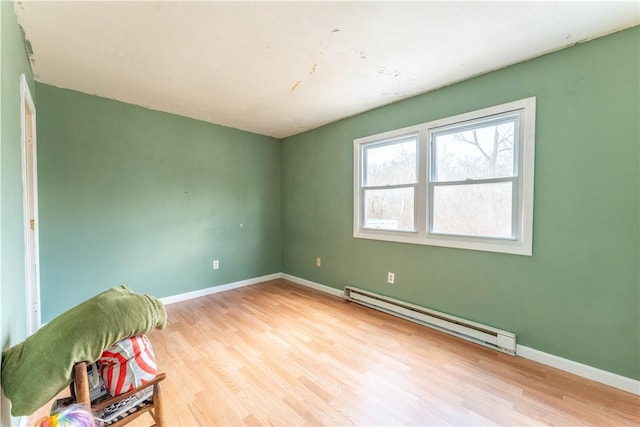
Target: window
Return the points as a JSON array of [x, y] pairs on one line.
[[462, 182], [390, 181]]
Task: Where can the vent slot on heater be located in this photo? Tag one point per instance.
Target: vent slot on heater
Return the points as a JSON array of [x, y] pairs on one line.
[[471, 331]]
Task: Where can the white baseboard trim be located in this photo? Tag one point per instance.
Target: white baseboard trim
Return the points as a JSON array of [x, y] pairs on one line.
[[235, 285], [220, 288], [314, 285], [605, 377]]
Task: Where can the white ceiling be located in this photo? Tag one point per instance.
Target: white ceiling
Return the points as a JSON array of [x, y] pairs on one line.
[[280, 68]]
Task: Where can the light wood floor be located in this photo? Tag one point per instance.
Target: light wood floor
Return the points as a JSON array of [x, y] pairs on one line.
[[281, 354]]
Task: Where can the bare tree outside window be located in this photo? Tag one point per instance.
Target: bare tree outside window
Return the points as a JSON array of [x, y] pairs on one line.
[[461, 158]]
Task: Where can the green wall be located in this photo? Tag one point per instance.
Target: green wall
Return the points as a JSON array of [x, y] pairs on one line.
[[578, 295], [149, 199], [13, 302]]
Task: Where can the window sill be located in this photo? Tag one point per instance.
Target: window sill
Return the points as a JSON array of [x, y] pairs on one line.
[[513, 247]]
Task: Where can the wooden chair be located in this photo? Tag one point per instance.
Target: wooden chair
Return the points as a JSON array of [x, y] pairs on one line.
[[153, 406]]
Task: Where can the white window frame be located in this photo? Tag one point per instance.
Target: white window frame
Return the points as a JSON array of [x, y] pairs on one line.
[[521, 242]]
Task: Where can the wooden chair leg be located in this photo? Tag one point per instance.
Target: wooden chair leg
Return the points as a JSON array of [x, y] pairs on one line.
[[158, 405]]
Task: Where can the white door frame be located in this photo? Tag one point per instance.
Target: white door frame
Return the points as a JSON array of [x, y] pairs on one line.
[[30, 200]]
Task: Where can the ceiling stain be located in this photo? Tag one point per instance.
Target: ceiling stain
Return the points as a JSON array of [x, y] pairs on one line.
[[382, 72], [295, 86], [313, 69]]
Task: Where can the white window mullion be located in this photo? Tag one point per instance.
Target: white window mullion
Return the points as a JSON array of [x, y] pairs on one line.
[[429, 221], [515, 209], [422, 202]]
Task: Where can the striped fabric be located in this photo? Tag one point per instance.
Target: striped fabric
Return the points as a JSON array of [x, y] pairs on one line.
[[128, 364]]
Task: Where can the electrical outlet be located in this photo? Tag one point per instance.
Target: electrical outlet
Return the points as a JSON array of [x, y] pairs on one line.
[[318, 262], [391, 278], [216, 264]]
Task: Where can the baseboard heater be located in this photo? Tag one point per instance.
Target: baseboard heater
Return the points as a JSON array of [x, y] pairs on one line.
[[481, 334]]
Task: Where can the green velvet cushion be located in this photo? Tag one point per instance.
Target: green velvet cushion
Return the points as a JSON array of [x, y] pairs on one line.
[[34, 371]]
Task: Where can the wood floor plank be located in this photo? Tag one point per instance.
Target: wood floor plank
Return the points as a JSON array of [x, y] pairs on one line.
[[281, 354]]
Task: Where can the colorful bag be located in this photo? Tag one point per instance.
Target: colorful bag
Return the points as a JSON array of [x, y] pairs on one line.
[[128, 364]]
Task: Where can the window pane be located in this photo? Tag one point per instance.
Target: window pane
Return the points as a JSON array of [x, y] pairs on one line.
[[485, 151], [391, 164], [474, 209], [391, 209]]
